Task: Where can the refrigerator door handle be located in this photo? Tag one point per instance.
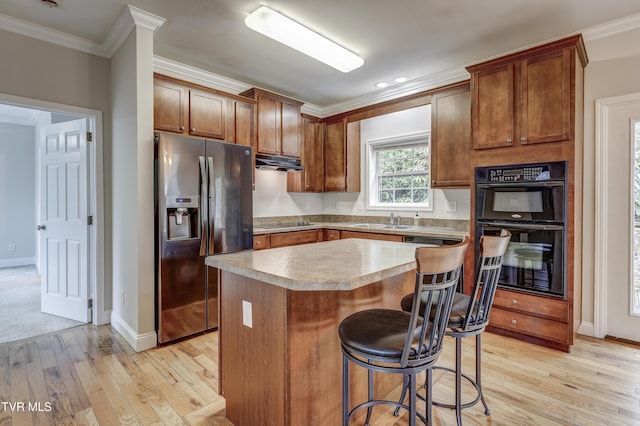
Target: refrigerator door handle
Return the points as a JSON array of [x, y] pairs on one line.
[[212, 204], [203, 201]]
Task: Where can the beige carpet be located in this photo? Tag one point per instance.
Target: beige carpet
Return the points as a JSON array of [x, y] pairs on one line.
[[20, 315]]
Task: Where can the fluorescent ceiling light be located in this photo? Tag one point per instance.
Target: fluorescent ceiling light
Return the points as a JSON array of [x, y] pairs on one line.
[[286, 31]]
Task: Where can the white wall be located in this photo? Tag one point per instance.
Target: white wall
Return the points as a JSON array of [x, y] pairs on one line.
[[409, 121], [270, 197], [614, 70], [17, 195], [80, 79]]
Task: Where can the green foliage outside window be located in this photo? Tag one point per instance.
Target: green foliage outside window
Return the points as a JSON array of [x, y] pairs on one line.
[[403, 174]]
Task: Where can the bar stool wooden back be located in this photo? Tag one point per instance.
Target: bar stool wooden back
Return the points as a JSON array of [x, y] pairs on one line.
[[470, 317], [399, 342]]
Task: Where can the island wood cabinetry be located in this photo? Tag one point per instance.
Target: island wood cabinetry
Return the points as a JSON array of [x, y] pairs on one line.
[[278, 123], [342, 156], [185, 108], [284, 367], [528, 108], [450, 137], [309, 179]]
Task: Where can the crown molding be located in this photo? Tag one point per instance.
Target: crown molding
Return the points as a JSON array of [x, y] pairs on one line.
[[198, 76], [129, 18], [610, 28], [133, 17], [49, 35], [405, 89]]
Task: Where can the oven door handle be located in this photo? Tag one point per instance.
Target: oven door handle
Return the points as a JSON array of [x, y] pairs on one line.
[[533, 226]]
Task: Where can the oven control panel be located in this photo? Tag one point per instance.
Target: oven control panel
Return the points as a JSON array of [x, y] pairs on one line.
[[522, 174]]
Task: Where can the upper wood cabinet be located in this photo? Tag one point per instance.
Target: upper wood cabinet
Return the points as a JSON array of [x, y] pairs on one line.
[[278, 123], [207, 114], [450, 137], [523, 98], [182, 107], [341, 156], [309, 179], [170, 106]]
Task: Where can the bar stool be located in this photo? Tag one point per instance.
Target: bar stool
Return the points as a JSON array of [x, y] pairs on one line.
[[394, 341], [470, 317]]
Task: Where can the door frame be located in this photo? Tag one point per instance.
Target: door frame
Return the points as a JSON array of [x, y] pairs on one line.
[[600, 285], [95, 187]]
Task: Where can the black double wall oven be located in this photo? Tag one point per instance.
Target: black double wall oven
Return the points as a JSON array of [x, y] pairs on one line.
[[530, 200]]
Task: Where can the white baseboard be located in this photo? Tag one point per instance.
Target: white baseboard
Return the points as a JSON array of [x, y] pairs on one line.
[[22, 261], [139, 342], [586, 329], [103, 317]]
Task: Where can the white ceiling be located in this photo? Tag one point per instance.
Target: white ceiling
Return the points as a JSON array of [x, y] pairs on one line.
[[425, 40]]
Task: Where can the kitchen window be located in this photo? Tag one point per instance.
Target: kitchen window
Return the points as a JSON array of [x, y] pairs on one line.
[[398, 171]]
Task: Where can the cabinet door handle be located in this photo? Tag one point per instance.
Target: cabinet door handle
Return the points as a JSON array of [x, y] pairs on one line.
[[523, 138], [514, 301], [181, 127], [509, 140], [514, 321], [193, 129]]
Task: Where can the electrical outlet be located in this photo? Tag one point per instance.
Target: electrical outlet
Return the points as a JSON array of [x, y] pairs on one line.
[[247, 315], [307, 205], [12, 247], [451, 206]]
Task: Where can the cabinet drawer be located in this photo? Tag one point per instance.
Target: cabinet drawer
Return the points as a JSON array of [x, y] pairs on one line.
[[331, 234], [260, 242], [294, 238], [541, 306], [533, 326]]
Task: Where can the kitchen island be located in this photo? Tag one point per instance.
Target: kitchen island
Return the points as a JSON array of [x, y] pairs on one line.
[[280, 358]]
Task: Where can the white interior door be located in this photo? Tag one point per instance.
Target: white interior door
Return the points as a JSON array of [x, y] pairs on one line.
[[63, 223], [615, 215]]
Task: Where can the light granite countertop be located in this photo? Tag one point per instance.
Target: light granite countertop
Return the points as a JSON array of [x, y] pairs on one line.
[[325, 266], [427, 231]]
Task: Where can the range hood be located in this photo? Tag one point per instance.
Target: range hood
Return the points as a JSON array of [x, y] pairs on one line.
[[276, 162]]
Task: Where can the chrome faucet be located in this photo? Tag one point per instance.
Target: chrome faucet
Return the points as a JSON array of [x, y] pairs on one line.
[[391, 219]]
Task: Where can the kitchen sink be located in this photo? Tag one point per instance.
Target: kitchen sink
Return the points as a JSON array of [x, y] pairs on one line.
[[396, 227], [379, 226]]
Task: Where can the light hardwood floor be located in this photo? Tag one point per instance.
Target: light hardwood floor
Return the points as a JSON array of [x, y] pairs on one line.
[[90, 375]]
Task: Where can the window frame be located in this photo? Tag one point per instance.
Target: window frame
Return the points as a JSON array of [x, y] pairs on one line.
[[371, 189]]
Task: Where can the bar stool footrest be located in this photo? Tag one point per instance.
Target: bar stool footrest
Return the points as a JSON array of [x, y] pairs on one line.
[[465, 405]]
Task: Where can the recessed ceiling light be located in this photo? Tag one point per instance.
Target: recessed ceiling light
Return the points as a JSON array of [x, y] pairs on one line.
[[268, 22], [382, 85], [400, 79]]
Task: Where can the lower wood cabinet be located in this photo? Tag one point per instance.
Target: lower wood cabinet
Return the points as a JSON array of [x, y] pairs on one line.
[[371, 236], [331, 234], [528, 315], [261, 242], [283, 239]]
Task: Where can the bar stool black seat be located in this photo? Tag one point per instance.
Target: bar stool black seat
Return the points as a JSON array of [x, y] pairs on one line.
[[394, 341], [470, 317]]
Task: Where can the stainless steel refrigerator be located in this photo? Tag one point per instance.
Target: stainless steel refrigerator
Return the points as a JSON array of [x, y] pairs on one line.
[[204, 207]]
